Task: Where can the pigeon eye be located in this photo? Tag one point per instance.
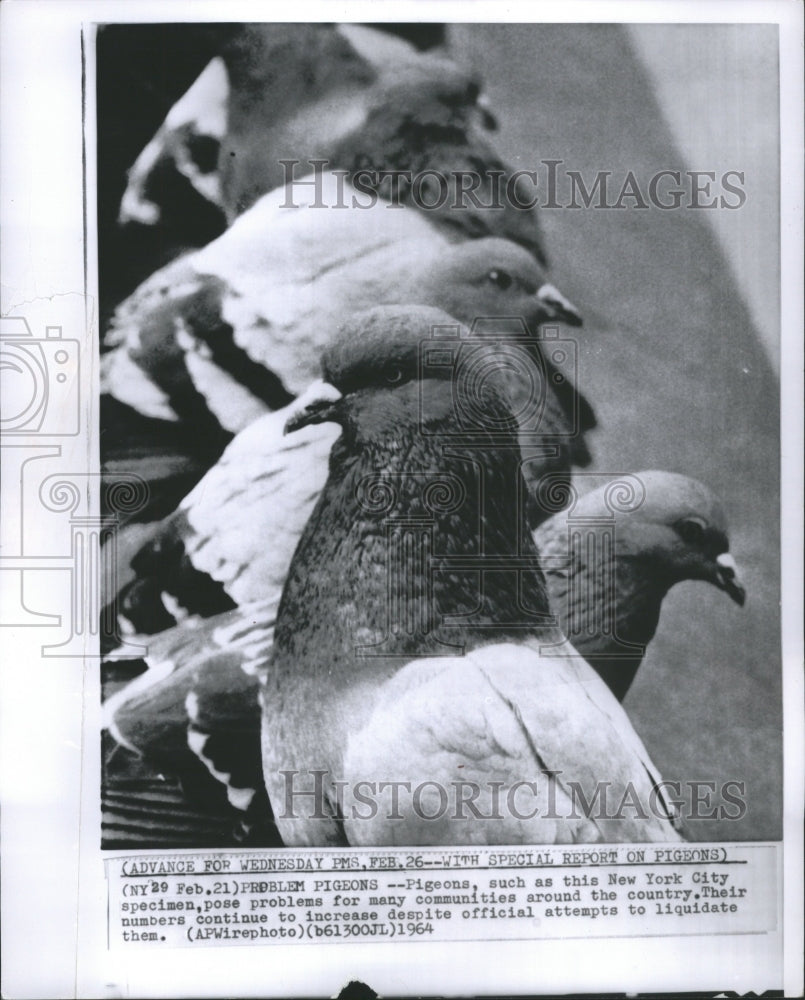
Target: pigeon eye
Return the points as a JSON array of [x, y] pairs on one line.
[[502, 279], [691, 530], [393, 376]]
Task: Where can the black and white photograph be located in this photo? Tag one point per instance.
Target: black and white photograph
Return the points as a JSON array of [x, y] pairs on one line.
[[350, 360], [403, 500]]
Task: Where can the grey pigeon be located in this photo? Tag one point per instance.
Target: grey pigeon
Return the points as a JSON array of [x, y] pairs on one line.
[[383, 672], [676, 530], [400, 111], [609, 567], [265, 292]]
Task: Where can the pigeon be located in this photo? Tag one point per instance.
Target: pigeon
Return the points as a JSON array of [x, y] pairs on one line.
[[624, 561], [308, 60], [409, 640], [188, 143], [200, 561], [380, 107], [225, 334], [279, 272], [350, 96]]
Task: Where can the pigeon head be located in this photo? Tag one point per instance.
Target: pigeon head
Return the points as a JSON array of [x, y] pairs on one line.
[[494, 277], [667, 528], [423, 129], [681, 525], [374, 382]]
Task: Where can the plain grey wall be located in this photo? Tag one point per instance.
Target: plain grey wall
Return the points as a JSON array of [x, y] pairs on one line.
[[717, 87]]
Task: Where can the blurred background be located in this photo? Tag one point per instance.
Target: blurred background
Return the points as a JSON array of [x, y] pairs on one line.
[[679, 350]]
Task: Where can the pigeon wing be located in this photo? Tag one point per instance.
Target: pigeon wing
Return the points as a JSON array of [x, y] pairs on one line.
[[197, 703], [505, 714], [232, 538], [244, 518]]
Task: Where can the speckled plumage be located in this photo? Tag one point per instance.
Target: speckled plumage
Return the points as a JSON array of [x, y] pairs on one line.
[[608, 572]]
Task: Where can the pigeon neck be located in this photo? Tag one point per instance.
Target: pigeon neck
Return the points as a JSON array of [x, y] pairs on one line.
[[613, 630], [411, 550]]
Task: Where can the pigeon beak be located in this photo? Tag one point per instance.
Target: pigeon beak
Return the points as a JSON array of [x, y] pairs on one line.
[[314, 406], [557, 307], [488, 119], [727, 578]]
